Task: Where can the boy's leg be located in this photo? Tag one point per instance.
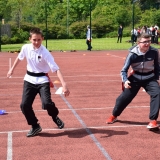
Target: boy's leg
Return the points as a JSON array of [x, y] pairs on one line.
[[29, 94], [118, 39], [152, 88], [88, 44], [47, 104], [123, 100], [121, 39]]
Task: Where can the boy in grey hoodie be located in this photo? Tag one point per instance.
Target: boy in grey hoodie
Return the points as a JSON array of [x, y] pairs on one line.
[[144, 61]]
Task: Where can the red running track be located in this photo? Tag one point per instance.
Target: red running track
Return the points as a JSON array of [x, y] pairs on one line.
[[94, 82]]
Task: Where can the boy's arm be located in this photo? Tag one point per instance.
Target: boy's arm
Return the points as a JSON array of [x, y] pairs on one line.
[[16, 62], [64, 85], [124, 71]]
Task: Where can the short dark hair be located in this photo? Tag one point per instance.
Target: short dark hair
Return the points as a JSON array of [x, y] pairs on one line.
[[143, 35], [35, 30]]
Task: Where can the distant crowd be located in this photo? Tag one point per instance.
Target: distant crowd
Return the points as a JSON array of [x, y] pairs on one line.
[[153, 31]]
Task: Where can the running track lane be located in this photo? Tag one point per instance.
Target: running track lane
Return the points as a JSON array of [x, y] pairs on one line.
[[94, 139]]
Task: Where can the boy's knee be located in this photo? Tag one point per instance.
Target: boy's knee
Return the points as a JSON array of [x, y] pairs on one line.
[[24, 107], [46, 105], [51, 108]]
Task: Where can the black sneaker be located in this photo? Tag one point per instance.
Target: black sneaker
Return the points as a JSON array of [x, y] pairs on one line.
[[58, 122], [34, 131]]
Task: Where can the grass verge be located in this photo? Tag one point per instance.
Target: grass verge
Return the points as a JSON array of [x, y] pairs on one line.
[[79, 44]]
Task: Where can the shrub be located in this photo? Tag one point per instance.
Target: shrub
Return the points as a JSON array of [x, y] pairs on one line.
[[5, 39], [15, 40], [112, 34]]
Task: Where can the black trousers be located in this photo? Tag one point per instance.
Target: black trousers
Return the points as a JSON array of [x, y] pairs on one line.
[[29, 93], [153, 39], [151, 87], [119, 38], [88, 44]]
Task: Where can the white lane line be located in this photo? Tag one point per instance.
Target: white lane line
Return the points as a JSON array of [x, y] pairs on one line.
[[94, 139], [81, 109], [10, 65], [75, 81], [112, 55], [9, 146], [96, 75], [68, 129]]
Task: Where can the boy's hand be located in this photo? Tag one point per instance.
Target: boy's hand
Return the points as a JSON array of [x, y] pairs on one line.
[[10, 72], [127, 84], [66, 91], [158, 82]]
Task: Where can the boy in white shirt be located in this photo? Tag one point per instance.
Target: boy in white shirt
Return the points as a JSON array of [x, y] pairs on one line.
[[36, 81]]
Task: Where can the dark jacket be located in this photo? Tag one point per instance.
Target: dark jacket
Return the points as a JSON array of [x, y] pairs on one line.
[[144, 66], [120, 31]]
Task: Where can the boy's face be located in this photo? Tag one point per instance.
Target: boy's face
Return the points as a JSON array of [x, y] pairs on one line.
[[36, 40], [144, 44]]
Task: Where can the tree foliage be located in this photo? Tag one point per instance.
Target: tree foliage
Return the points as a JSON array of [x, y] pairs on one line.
[[71, 16]]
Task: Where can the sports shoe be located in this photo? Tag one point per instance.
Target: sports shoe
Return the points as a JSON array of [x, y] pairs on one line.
[[111, 119], [58, 122], [152, 124], [34, 131]]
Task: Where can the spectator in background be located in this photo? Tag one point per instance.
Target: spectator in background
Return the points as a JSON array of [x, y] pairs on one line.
[[138, 31], [152, 34], [156, 26], [120, 33], [156, 36], [134, 35], [144, 29], [148, 30], [88, 38]]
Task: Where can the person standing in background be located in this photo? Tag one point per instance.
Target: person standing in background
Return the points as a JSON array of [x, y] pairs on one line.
[[134, 35], [120, 33], [88, 38], [156, 36], [152, 34]]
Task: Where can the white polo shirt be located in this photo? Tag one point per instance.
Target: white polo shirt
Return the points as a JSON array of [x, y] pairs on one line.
[[38, 61], [88, 34]]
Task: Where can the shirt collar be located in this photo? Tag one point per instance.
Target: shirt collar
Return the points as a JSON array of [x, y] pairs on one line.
[[32, 48]]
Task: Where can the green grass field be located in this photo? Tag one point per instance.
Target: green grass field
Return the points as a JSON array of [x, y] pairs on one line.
[[79, 44]]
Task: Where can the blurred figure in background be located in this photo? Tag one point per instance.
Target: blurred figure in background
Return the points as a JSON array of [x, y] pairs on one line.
[[88, 38], [134, 35], [120, 33]]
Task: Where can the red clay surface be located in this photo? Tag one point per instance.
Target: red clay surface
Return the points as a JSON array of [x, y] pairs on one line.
[[94, 82]]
